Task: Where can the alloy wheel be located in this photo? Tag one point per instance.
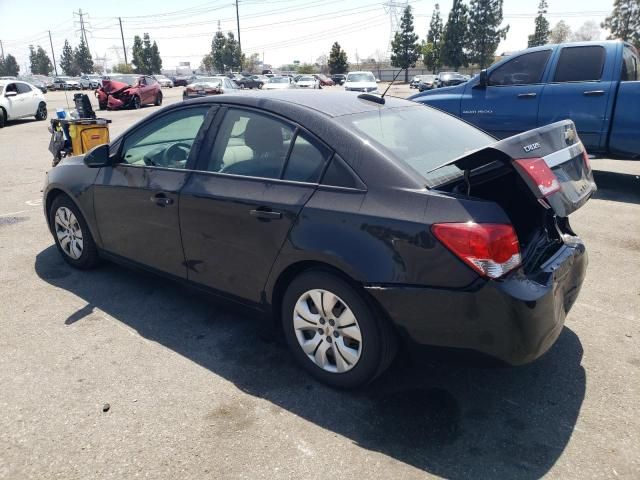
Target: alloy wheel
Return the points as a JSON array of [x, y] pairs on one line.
[[327, 331], [69, 233]]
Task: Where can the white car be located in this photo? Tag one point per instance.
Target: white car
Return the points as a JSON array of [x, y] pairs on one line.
[[308, 82], [20, 99], [164, 81], [279, 83], [361, 82], [66, 83]]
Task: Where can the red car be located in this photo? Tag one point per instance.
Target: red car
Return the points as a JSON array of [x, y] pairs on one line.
[[325, 81], [128, 91]]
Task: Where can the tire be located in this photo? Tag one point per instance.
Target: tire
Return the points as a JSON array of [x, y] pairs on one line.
[[3, 118], [158, 101], [41, 113], [136, 103], [81, 251], [102, 106], [365, 352]]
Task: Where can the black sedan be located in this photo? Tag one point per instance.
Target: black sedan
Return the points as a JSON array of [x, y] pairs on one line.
[[248, 82], [357, 236]]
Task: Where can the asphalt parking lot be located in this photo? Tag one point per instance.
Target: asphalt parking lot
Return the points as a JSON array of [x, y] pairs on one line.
[[197, 390]]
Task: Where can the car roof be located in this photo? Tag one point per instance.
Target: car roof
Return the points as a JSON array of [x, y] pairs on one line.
[[330, 103]]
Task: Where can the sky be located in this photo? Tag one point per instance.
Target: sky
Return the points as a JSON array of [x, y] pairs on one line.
[[280, 31]]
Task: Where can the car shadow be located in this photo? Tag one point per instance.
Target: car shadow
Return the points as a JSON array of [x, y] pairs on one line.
[[617, 187], [445, 414]]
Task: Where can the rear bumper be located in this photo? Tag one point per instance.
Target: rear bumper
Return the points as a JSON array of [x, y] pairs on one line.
[[516, 319]]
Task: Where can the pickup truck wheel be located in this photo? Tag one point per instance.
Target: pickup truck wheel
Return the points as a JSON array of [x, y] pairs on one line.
[[41, 113], [71, 234], [158, 101], [333, 332], [3, 117]]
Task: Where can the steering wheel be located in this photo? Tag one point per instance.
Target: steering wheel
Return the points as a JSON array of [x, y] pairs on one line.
[[175, 153]]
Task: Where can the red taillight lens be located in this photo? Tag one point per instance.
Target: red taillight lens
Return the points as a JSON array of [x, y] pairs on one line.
[[490, 249], [537, 170]]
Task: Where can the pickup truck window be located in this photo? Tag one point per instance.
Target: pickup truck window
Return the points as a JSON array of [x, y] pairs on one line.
[[522, 70], [580, 64], [629, 65]]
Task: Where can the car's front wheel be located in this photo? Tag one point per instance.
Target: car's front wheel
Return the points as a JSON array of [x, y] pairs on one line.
[[136, 102], [158, 101], [71, 234], [3, 117], [333, 332]]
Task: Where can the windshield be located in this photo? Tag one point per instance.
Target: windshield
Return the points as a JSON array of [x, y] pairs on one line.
[[433, 139], [307, 79], [128, 79], [279, 80], [361, 77]]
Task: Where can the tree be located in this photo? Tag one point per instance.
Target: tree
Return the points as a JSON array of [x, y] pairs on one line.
[[82, 58], [454, 36], [122, 68], [156, 61], [138, 55], [252, 64], [231, 54], [588, 31], [68, 61], [206, 65], [484, 32], [217, 50], [431, 48], [40, 61], [9, 67], [338, 62], [306, 68], [624, 21], [541, 33], [405, 49], [560, 33]]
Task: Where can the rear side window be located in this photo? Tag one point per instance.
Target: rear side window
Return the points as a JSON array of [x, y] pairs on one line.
[[306, 160], [339, 174], [629, 65], [580, 64], [522, 70], [23, 88]]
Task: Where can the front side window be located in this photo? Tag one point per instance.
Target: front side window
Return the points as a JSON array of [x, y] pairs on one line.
[[525, 69], [580, 64], [23, 88], [252, 144], [629, 65], [165, 141]]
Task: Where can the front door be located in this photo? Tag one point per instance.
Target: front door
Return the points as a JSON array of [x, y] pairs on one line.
[[509, 103], [578, 92], [236, 212], [136, 200]]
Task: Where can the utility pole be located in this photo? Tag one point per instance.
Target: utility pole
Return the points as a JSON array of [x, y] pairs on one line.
[[123, 45], [83, 32], [1, 50], [238, 23], [55, 68]]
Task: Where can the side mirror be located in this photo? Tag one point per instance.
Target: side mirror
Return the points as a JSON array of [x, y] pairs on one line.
[[484, 80], [11, 94], [98, 157]]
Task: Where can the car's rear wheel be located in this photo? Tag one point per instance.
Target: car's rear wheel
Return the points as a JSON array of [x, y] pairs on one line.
[[332, 331], [41, 113], [71, 234], [158, 101]]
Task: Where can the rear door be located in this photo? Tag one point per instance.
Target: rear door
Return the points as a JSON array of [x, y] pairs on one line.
[[580, 89], [509, 103], [136, 200], [28, 99], [623, 138], [237, 210]]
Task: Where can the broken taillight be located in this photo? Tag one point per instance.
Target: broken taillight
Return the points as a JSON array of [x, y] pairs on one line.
[[537, 170], [490, 249]]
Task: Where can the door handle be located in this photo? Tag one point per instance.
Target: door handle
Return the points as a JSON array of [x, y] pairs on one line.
[[162, 200], [593, 93], [527, 95], [265, 213]]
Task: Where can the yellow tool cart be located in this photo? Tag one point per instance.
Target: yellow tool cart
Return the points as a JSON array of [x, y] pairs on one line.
[[77, 136]]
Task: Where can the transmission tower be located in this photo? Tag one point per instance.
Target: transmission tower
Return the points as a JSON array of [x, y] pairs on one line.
[[394, 9]]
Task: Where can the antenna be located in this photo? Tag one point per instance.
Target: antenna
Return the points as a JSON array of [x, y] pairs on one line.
[[394, 79]]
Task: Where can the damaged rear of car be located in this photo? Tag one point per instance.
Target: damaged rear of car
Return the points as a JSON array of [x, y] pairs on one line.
[[128, 91]]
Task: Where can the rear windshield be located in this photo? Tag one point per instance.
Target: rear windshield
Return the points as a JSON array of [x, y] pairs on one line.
[[361, 77], [422, 137]]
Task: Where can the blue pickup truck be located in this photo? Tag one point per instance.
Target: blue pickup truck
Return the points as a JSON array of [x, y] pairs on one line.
[[595, 84]]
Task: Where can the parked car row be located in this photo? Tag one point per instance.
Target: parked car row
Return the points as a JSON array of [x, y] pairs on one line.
[[443, 79]]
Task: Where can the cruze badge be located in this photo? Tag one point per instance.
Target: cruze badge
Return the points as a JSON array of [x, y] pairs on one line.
[[531, 147]]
